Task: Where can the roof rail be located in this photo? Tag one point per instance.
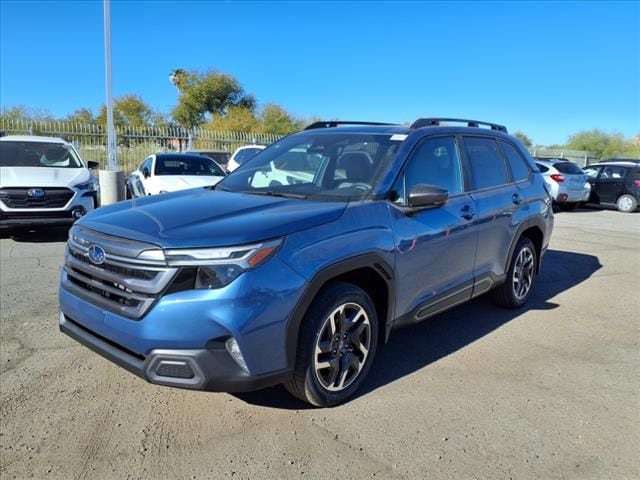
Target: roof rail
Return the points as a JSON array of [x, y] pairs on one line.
[[434, 122], [336, 123]]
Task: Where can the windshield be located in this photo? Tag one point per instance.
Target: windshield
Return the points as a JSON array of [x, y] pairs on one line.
[[332, 166], [245, 154], [38, 154], [186, 165]]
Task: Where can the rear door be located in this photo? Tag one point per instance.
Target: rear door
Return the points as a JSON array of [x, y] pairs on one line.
[[435, 247], [611, 183], [497, 198]]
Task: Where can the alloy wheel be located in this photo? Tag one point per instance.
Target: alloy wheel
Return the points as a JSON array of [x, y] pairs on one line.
[[523, 272], [342, 347]]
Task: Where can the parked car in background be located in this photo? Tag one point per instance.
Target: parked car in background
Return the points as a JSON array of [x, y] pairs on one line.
[[241, 286], [242, 154], [170, 172], [43, 181], [615, 184], [567, 182], [221, 157]]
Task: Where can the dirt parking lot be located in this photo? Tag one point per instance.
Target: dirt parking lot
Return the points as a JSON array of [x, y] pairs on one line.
[[551, 391]]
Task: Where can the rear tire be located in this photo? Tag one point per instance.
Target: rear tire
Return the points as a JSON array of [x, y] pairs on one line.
[[626, 203], [516, 289], [336, 346]]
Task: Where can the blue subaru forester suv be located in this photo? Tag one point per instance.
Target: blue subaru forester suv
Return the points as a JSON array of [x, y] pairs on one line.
[[298, 265]]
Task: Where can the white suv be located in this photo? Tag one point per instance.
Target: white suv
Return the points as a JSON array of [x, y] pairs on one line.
[[43, 181]]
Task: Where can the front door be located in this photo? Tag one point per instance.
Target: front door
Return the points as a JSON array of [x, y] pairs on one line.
[[435, 247]]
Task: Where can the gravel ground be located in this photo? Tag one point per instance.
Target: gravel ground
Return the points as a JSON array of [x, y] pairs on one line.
[[549, 392]]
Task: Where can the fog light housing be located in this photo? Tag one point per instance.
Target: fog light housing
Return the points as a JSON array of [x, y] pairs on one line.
[[77, 213], [234, 350]]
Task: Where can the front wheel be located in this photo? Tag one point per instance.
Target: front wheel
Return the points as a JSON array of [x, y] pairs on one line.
[[337, 344], [516, 289], [568, 206], [626, 203]]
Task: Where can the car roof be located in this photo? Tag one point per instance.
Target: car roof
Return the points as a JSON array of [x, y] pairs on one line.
[[620, 163], [179, 154], [551, 161], [32, 138], [207, 151]]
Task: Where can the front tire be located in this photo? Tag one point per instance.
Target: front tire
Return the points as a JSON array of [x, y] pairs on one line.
[[516, 289], [626, 203], [568, 206], [336, 347]]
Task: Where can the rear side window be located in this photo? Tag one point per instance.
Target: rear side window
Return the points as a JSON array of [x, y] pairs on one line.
[[568, 168], [613, 173], [487, 167], [518, 165]]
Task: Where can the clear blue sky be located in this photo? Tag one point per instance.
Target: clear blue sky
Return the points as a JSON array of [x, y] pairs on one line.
[[546, 68]]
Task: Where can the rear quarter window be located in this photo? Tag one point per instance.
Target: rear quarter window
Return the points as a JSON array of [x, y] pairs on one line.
[[518, 164]]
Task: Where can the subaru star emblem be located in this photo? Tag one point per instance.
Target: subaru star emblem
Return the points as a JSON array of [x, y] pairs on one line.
[[96, 254], [35, 193]]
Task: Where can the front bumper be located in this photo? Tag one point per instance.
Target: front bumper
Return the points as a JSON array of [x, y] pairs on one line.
[[25, 217], [199, 369]]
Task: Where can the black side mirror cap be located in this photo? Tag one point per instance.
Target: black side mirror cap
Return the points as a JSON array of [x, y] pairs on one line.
[[93, 165], [422, 196], [146, 173]]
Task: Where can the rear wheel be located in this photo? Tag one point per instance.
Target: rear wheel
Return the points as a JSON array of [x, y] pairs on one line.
[[337, 344], [626, 203], [516, 289]]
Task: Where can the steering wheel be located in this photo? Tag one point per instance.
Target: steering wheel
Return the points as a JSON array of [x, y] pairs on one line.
[[357, 185]]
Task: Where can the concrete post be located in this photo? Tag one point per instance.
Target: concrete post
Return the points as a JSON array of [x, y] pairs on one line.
[[111, 186]]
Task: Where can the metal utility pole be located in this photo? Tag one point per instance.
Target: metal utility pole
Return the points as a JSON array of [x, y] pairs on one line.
[[111, 179], [112, 163]]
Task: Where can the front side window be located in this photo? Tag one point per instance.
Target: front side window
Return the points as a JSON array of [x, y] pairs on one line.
[[435, 161], [487, 167], [38, 154], [325, 165], [186, 165], [518, 164]]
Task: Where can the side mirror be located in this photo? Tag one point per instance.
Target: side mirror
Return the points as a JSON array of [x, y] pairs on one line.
[[146, 173], [427, 196], [93, 165]]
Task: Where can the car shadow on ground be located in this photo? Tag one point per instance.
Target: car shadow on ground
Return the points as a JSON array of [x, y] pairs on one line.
[[39, 235], [415, 347]]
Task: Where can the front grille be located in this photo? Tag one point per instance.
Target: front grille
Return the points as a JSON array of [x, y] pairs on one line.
[[21, 198], [121, 284]]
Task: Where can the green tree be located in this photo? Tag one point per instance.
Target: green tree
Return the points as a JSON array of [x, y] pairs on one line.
[[524, 138], [276, 119], [25, 114], [81, 115], [128, 111], [207, 94], [237, 119], [600, 143]]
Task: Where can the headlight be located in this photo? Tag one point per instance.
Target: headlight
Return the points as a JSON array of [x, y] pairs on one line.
[[217, 267], [91, 186]]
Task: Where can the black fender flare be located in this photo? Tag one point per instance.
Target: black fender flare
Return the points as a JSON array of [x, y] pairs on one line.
[[525, 225], [366, 260]]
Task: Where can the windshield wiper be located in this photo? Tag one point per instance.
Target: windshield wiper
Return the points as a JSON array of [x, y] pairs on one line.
[[271, 193], [217, 186]]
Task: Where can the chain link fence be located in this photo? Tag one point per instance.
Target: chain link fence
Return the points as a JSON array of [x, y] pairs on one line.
[[135, 144]]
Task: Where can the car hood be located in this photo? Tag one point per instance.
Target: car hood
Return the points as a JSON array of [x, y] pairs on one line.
[[172, 183], [203, 217], [42, 176]]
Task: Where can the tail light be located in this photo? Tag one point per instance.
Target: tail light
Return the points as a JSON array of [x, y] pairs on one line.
[[637, 183], [557, 177]]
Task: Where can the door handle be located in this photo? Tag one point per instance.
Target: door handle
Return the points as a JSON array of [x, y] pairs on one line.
[[467, 212], [516, 198]]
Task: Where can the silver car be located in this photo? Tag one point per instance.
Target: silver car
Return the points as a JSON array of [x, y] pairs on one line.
[[567, 182]]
